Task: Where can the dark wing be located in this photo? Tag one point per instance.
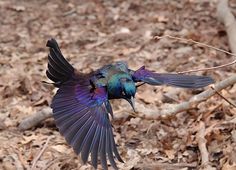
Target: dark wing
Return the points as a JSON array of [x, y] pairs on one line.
[[179, 80], [81, 114], [59, 70]]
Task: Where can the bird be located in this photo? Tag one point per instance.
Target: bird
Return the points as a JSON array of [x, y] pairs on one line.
[[81, 106]]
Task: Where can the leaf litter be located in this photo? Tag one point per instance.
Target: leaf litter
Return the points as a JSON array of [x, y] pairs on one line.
[[95, 33]]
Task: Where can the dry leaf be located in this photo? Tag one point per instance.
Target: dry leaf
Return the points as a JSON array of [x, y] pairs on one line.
[[61, 148]]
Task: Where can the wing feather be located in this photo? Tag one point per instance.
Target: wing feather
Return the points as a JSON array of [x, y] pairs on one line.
[[178, 80], [81, 115]]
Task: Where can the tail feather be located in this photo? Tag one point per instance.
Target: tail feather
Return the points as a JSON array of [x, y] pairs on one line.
[[59, 69]]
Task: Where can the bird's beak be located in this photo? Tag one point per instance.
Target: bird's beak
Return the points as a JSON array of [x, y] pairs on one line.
[[131, 102]]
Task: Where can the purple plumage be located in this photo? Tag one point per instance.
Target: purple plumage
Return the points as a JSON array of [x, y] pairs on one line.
[[81, 111], [84, 122], [178, 80]]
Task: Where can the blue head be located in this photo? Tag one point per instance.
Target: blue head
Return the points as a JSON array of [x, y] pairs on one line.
[[121, 85]]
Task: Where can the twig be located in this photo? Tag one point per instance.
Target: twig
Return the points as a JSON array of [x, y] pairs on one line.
[[35, 119], [60, 159], [40, 154], [202, 145], [166, 165], [72, 11], [224, 97], [195, 42], [201, 44], [194, 101], [209, 68]]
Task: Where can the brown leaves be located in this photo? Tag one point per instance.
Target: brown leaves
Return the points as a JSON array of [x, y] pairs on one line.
[[99, 32]]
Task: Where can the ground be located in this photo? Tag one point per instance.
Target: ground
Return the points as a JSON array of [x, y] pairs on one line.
[[93, 33]]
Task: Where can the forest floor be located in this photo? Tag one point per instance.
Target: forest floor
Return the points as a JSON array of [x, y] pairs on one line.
[[93, 33]]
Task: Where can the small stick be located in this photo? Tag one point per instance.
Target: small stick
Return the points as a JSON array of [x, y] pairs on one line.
[[36, 118], [201, 44], [202, 144], [210, 68], [223, 97], [196, 42], [72, 11], [164, 165], [40, 153]]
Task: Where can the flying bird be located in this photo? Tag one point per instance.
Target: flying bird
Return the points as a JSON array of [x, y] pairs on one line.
[[81, 105]]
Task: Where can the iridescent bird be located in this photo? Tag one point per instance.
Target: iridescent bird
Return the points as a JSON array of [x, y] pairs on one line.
[[81, 105]]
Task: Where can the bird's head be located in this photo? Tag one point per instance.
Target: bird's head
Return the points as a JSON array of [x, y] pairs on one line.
[[128, 90], [121, 85]]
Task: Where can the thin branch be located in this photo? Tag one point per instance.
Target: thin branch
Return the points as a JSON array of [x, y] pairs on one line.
[[202, 145], [72, 11], [166, 165], [195, 42], [40, 154], [35, 119], [204, 45], [209, 68], [223, 97]]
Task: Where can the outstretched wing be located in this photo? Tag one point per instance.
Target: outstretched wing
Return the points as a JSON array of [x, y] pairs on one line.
[[179, 80], [80, 111], [82, 118]]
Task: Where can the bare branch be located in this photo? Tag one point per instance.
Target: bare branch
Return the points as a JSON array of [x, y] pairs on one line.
[[200, 44], [202, 146], [210, 68], [195, 42], [35, 119], [40, 153], [158, 165], [227, 100]]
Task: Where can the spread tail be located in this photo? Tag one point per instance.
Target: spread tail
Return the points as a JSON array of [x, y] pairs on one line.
[[59, 69]]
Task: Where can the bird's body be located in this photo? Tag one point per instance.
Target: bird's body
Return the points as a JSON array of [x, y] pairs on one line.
[[109, 76], [81, 105]]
